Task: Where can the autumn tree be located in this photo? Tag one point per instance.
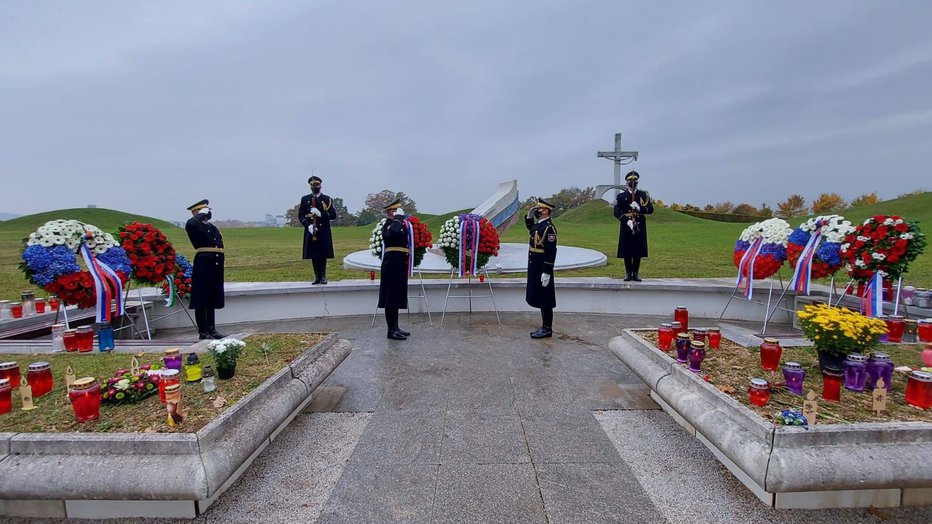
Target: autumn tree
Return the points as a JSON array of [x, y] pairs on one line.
[[291, 217], [793, 206], [375, 202], [723, 207], [344, 217], [828, 203], [765, 210], [744, 209], [865, 200]]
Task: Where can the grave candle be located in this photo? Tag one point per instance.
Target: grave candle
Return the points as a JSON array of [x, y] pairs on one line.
[[85, 336], [759, 392], [681, 315], [924, 330], [169, 377], [664, 336], [794, 374], [677, 327], [6, 396], [696, 356], [209, 382], [855, 372], [770, 352], [682, 347], [895, 328], [39, 377], [831, 384], [715, 337], [54, 302], [879, 365], [16, 309], [172, 359], [85, 399], [70, 340], [10, 371], [919, 389]]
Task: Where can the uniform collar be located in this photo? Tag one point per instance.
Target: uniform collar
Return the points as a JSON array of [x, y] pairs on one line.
[[541, 221]]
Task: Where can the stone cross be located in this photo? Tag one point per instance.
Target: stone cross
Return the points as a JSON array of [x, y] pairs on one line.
[[619, 157]]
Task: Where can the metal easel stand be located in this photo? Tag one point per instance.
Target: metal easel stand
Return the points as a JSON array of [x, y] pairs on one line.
[[768, 311], [142, 306], [470, 294], [896, 299], [422, 295]]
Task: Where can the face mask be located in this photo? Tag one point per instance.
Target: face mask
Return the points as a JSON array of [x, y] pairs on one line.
[[315, 190], [209, 215], [633, 185], [537, 213]]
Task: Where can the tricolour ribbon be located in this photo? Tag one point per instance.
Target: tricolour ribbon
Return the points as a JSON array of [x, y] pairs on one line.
[[746, 267], [802, 276], [106, 283], [872, 301], [170, 299], [410, 229], [469, 246]]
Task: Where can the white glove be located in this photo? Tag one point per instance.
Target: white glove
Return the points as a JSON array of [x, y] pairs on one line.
[[544, 279], [635, 206], [315, 211], [311, 229], [400, 213], [631, 224]]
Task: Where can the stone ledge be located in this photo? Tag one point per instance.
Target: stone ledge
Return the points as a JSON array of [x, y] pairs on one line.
[[826, 466]]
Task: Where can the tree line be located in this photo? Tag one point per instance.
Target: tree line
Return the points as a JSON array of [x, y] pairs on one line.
[[371, 211]]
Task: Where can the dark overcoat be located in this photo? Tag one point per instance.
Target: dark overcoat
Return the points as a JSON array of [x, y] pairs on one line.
[[632, 243], [542, 252], [322, 247], [207, 275], [393, 283]]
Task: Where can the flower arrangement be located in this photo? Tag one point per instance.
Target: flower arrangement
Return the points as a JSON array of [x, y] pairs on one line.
[[884, 244], [422, 239], [452, 230], [839, 330], [181, 277], [151, 255], [225, 351], [773, 234], [129, 387], [49, 259], [827, 259], [790, 417]]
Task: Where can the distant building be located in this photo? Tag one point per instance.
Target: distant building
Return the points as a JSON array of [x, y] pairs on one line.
[[92, 206], [273, 220]]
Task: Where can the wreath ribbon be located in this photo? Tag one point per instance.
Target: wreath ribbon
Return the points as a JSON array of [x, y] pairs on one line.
[[106, 283], [802, 276], [410, 230], [469, 239], [747, 266]]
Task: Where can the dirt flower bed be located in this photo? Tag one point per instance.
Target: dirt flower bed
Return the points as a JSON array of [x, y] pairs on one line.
[[731, 368], [263, 356]]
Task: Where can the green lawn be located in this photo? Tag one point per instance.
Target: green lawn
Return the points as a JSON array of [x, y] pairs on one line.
[[680, 245]]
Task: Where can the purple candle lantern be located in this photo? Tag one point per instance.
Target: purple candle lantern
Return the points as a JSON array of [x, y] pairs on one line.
[[794, 374], [879, 365], [682, 347], [856, 372], [696, 355]]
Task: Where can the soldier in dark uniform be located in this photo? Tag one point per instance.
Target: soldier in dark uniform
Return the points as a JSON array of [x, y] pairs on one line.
[[630, 207], [542, 252], [207, 276], [393, 285], [315, 213]]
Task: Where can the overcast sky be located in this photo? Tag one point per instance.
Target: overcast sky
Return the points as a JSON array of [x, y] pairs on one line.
[[150, 106]]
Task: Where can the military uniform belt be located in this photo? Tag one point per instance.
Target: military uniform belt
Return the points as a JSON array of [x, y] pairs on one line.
[[535, 250], [209, 250], [631, 214], [397, 249]]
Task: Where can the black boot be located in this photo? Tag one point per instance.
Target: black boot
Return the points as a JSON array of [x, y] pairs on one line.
[[211, 326], [543, 332], [200, 318], [315, 265], [627, 269], [391, 319], [635, 268], [323, 272]]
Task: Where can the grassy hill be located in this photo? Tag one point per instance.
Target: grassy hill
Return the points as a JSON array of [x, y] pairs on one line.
[[680, 245]]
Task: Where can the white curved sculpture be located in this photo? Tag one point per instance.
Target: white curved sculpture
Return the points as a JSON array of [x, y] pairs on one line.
[[502, 207]]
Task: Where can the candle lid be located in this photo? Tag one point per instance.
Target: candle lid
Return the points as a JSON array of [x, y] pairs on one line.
[[680, 307], [759, 383], [38, 366], [682, 335], [676, 323], [171, 388], [28, 293], [921, 376], [666, 325], [192, 358], [169, 373], [792, 366], [71, 331], [8, 365], [714, 329], [880, 356], [208, 371], [771, 340], [857, 357], [16, 303], [698, 344], [83, 383], [171, 351], [911, 321], [4, 382], [832, 371], [58, 326], [700, 330], [896, 317]]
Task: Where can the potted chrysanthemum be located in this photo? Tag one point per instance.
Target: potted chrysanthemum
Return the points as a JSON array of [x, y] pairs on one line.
[[835, 332], [225, 352]]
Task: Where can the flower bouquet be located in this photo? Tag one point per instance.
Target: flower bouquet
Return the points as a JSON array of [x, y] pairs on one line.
[[180, 278], [421, 236], [468, 241], [225, 352], [764, 243], [150, 253], [128, 387], [839, 331], [882, 244], [826, 248], [49, 259]]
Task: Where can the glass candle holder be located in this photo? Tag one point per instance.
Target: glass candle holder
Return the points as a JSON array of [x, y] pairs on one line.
[[5, 310], [677, 328], [168, 377], [696, 355], [54, 303], [895, 329], [70, 340], [855, 372], [924, 330], [58, 341], [831, 384], [759, 392], [105, 337], [681, 315], [665, 336], [28, 299], [372, 276], [172, 359], [883, 336], [85, 336], [911, 331], [209, 382], [700, 335], [40, 306], [879, 365], [16, 310], [40, 379], [770, 352], [682, 348], [794, 374], [6, 396], [10, 371], [919, 389], [193, 370], [715, 338], [85, 399]]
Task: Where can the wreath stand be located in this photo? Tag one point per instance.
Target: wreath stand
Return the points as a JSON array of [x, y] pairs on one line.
[[421, 295], [470, 295], [850, 284], [145, 316], [771, 306]]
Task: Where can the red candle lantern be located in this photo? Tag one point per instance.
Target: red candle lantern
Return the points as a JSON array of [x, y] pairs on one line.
[[895, 328], [70, 340], [919, 389], [16, 309], [924, 330], [39, 377], [700, 335], [6, 397], [664, 336], [770, 352], [85, 399], [715, 338], [677, 327], [372, 275], [54, 302], [681, 315], [40, 305], [10, 371], [481, 278], [168, 377], [85, 335], [759, 392], [831, 384]]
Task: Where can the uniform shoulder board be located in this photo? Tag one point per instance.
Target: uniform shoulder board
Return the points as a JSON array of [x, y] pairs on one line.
[[646, 197], [550, 229]]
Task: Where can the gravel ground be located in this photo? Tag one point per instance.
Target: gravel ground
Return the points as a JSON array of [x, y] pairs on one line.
[[695, 487]]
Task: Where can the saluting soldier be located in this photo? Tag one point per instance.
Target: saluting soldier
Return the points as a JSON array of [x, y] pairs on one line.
[[542, 252], [393, 283], [207, 276], [630, 207], [315, 213]]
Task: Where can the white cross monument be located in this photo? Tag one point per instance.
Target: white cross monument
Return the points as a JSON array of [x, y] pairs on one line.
[[621, 158]]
